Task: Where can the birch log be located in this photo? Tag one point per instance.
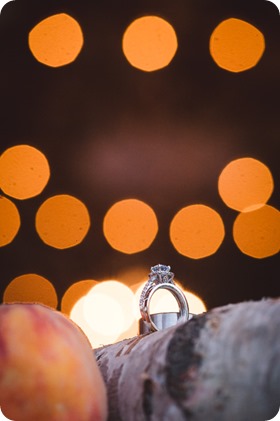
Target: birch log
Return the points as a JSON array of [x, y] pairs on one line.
[[223, 365]]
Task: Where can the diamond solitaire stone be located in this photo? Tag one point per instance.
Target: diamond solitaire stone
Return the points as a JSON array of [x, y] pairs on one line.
[[160, 269]]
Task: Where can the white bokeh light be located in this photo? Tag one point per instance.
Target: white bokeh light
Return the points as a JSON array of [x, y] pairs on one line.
[[96, 339], [109, 307], [277, 4], [2, 4], [104, 314]]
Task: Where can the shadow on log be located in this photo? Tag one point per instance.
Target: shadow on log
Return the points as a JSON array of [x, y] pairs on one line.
[[223, 365]]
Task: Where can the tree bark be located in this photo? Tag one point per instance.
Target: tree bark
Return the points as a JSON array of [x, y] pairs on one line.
[[222, 365]]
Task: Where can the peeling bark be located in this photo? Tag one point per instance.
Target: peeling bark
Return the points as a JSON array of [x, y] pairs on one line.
[[222, 365]]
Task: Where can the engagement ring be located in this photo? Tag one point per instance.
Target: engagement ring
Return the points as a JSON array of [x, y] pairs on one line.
[[160, 277]]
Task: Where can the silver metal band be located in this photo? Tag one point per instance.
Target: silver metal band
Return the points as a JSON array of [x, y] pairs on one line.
[[161, 320], [160, 277]]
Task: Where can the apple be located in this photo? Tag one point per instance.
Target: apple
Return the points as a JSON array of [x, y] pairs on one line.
[[48, 371]]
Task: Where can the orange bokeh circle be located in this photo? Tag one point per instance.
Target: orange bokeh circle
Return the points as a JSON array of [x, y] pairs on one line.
[[149, 43], [31, 288], [24, 172], [56, 41], [236, 45], [197, 231], [130, 226], [62, 221], [74, 293], [245, 182], [257, 233], [9, 221]]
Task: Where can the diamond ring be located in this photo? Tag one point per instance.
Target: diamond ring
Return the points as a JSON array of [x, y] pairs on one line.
[[160, 277]]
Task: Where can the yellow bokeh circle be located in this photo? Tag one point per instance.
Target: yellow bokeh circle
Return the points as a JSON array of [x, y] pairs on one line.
[[244, 183], [24, 172], [56, 40], [31, 288], [130, 226], [257, 233], [9, 221], [236, 45], [62, 221], [197, 231], [149, 43]]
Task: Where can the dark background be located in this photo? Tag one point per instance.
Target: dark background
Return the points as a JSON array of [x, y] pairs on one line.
[[110, 132]]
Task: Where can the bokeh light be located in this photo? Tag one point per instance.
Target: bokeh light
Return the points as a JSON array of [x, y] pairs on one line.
[[96, 339], [244, 183], [196, 304], [129, 333], [257, 233], [197, 231], [236, 45], [31, 288], [150, 43], [105, 313], [24, 172], [9, 221], [133, 276], [108, 308], [62, 221], [130, 226], [56, 40], [74, 293], [109, 311]]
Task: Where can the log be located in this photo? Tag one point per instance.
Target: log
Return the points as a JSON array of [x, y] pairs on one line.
[[221, 365]]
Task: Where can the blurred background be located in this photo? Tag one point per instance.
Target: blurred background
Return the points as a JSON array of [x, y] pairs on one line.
[[133, 134]]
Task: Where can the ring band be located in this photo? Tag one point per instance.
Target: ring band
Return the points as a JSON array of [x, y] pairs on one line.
[[161, 320], [160, 277]]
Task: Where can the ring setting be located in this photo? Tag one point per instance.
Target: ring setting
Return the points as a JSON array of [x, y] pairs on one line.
[[161, 277]]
